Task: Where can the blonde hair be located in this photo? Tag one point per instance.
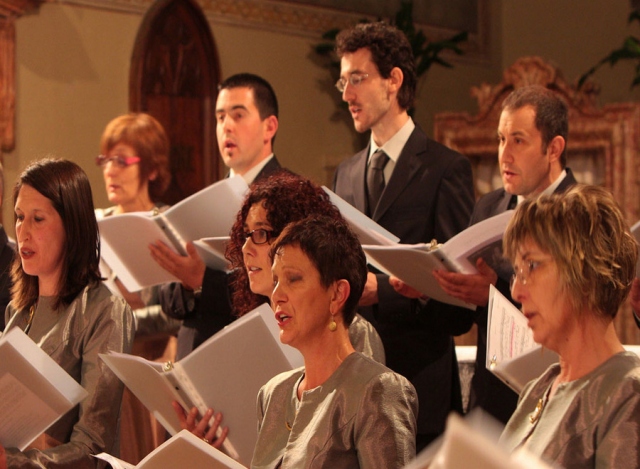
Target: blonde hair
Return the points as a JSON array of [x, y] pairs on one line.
[[585, 232]]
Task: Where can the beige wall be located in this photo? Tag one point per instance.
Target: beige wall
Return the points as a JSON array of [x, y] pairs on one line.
[[73, 66], [72, 78], [574, 35]]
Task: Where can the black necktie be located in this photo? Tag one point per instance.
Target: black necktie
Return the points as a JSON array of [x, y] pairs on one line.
[[375, 178]]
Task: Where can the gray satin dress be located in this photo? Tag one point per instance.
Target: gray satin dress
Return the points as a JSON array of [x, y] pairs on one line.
[[363, 416], [592, 422], [365, 339], [95, 322]]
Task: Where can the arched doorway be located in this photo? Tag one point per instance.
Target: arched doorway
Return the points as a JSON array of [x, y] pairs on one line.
[[174, 77]]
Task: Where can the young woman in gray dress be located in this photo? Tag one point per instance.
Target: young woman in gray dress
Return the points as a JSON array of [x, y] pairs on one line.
[[60, 302], [574, 259]]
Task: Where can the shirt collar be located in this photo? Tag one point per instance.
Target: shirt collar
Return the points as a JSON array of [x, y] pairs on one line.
[[551, 188], [393, 147], [250, 175]]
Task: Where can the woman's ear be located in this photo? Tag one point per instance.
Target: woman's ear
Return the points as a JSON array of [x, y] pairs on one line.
[[340, 294]]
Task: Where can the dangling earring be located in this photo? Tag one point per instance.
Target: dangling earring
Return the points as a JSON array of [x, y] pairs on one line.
[[332, 325]]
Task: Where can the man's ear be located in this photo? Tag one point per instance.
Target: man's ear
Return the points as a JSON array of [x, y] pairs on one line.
[[555, 148], [271, 127], [396, 78]]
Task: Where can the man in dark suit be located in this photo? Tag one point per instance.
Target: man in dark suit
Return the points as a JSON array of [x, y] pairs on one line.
[[247, 122], [532, 136], [426, 193]]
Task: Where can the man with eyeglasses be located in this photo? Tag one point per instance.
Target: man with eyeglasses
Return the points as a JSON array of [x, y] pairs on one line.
[[246, 126], [419, 190], [532, 156]]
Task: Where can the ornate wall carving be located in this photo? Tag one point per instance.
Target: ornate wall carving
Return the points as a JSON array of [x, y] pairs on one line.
[[603, 144]]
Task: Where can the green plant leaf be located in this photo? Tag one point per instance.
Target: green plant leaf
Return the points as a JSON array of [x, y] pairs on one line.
[[630, 50]]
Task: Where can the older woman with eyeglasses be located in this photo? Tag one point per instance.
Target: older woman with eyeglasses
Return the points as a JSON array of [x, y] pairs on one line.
[[135, 165], [342, 410], [574, 259]]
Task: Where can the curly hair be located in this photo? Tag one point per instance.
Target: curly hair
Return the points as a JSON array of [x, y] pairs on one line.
[[585, 232], [66, 185], [389, 48], [147, 137], [286, 198], [335, 252]]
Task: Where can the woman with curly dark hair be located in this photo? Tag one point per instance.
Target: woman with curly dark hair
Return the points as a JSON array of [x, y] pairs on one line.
[[270, 205]]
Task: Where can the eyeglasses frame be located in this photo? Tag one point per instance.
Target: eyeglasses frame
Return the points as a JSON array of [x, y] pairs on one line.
[[354, 80]]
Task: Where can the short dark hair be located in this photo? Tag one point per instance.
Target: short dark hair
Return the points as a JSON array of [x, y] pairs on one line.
[[334, 250], [147, 137], [286, 197], [66, 185], [552, 115], [389, 48], [585, 232], [263, 94]]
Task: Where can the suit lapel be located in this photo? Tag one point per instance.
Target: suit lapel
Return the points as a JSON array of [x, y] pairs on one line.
[[408, 164], [504, 203], [271, 167], [568, 181], [359, 175]]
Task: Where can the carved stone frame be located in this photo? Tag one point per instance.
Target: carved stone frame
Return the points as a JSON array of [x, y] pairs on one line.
[[610, 136]]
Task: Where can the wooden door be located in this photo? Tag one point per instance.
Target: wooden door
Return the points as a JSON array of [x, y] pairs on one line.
[[174, 77]]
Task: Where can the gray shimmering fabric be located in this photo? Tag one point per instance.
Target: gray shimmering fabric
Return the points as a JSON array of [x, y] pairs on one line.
[[592, 422], [365, 339], [363, 416], [95, 322]]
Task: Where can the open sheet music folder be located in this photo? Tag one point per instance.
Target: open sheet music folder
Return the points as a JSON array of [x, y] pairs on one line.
[[209, 213], [35, 390], [512, 354], [180, 451], [414, 263], [225, 373], [472, 443]]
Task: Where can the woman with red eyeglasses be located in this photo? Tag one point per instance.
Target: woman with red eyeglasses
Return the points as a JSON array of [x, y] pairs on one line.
[[135, 164]]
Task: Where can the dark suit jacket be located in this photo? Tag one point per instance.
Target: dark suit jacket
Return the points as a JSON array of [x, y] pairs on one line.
[[429, 195], [202, 317], [487, 391]]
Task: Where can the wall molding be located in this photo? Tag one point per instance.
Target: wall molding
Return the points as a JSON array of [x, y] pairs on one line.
[[297, 20]]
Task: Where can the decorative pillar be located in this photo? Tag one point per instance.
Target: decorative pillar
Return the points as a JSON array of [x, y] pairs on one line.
[[10, 10]]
